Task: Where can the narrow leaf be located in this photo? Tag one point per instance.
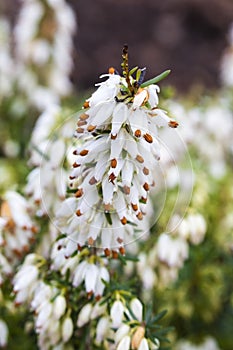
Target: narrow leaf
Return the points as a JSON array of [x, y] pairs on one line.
[[156, 79]]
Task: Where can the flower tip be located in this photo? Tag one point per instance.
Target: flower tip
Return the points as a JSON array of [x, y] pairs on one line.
[[86, 104], [111, 70]]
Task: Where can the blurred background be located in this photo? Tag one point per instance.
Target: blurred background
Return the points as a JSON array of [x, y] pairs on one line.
[[186, 36]]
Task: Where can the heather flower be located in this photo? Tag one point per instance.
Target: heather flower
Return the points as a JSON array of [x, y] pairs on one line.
[[3, 334], [17, 232], [112, 172], [43, 38]]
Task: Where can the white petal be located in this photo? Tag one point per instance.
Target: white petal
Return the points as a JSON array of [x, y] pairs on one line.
[[120, 115], [59, 306], [67, 329], [91, 277], [3, 334], [137, 308], [116, 313], [84, 315], [121, 332], [124, 343], [144, 345]]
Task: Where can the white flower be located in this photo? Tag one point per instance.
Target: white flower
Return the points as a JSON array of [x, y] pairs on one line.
[[137, 308], [172, 251], [67, 329], [198, 228], [143, 345], [84, 315], [3, 334], [124, 343], [26, 280], [92, 275], [116, 313], [43, 48], [59, 306], [122, 331], [102, 329], [113, 167]]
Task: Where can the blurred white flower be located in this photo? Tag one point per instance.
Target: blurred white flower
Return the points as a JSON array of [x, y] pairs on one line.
[[43, 40], [209, 343], [3, 334], [172, 251]]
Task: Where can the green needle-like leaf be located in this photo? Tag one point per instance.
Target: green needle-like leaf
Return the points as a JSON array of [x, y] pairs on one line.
[[156, 79]]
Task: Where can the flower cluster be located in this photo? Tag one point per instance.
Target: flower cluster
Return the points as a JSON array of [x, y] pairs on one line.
[[86, 268], [124, 324], [161, 266], [43, 39], [17, 232], [47, 182], [113, 169], [53, 324]]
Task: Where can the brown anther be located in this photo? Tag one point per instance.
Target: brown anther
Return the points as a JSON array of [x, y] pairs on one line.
[[37, 201], [79, 193], [32, 240], [72, 177], [113, 163], [90, 241], [139, 158], [114, 254], [17, 252], [89, 294], [148, 138], [75, 165], [24, 227], [137, 133], [86, 104], [90, 128], [84, 152], [113, 137], [98, 297], [126, 189], [134, 206], [140, 216], [10, 225], [84, 116], [119, 240], [111, 70], [79, 247], [92, 181], [75, 152], [25, 248], [122, 250], [107, 207], [173, 124], [124, 220], [81, 122], [34, 229], [145, 171], [153, 184], [78, 212], [111, 178], [107, 252], [146, 186], [80, 130]]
